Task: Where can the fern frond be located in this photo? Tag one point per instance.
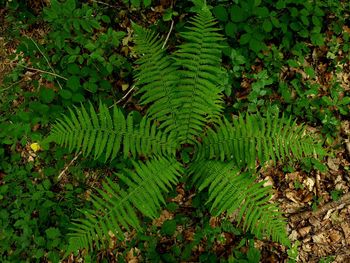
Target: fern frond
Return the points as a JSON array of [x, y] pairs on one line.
[[156, 77], [115, 209], [255, 137], [183, 90], [103, 133], [199, 61], [230, 192]]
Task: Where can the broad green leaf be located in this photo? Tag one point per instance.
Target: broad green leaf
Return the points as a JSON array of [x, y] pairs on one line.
[[230, 29], [221, 13], [47, 95], [261, 12], [267, 26], [245, 38], [73, 83], [237, 14], [66, 94], [70, 5]]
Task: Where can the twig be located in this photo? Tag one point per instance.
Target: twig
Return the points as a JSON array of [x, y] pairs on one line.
[[318, 186], [345, 199], [43, 71], [168, 35], [129, 91], [347, 146], [42, 53], [11, 85], [103, 3], [66, 168], [343, 252], [47, 61], [317, 179]]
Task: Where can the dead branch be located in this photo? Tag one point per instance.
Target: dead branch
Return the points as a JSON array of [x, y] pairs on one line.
[[345, 199]]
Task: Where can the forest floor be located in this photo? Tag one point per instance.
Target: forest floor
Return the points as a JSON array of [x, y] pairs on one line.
[[316, 204]]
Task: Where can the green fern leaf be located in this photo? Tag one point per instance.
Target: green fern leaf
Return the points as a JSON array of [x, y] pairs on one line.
[[231, 191], [183, 90], [115, 209], [199, 61], [156, 76], [100, 133], [254, 137]]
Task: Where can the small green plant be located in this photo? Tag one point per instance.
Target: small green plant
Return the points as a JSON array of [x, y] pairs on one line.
[[34, 218], [316, 201], [256, 22], [275, 38], [182, 93], [336, 194], [138, 3], [169, 14], [298, 185], [328, 259], [88, 58], [81, 49], [293, 252], [36, 209], [252, 256]]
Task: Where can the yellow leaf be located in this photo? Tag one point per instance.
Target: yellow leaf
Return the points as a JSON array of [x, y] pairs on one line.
[[35, 146], [125, 87]]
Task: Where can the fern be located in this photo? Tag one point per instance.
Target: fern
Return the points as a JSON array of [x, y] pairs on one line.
[[115, 207], [199, 60], [183, 88], [105, 133], [254, 137], [156, 75], [182, 94], [232, 191]]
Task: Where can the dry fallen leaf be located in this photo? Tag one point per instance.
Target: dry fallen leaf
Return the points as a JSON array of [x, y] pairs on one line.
[[308, 198], [346, 229], [307, 248], [332, 164], [133, 255], [320, 238], [292, 196], [293, 236], [214, 221], [165, 215], [335, 236], [310, 183], [304, 231], [294, 177], [268, 181], [189, 234]]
